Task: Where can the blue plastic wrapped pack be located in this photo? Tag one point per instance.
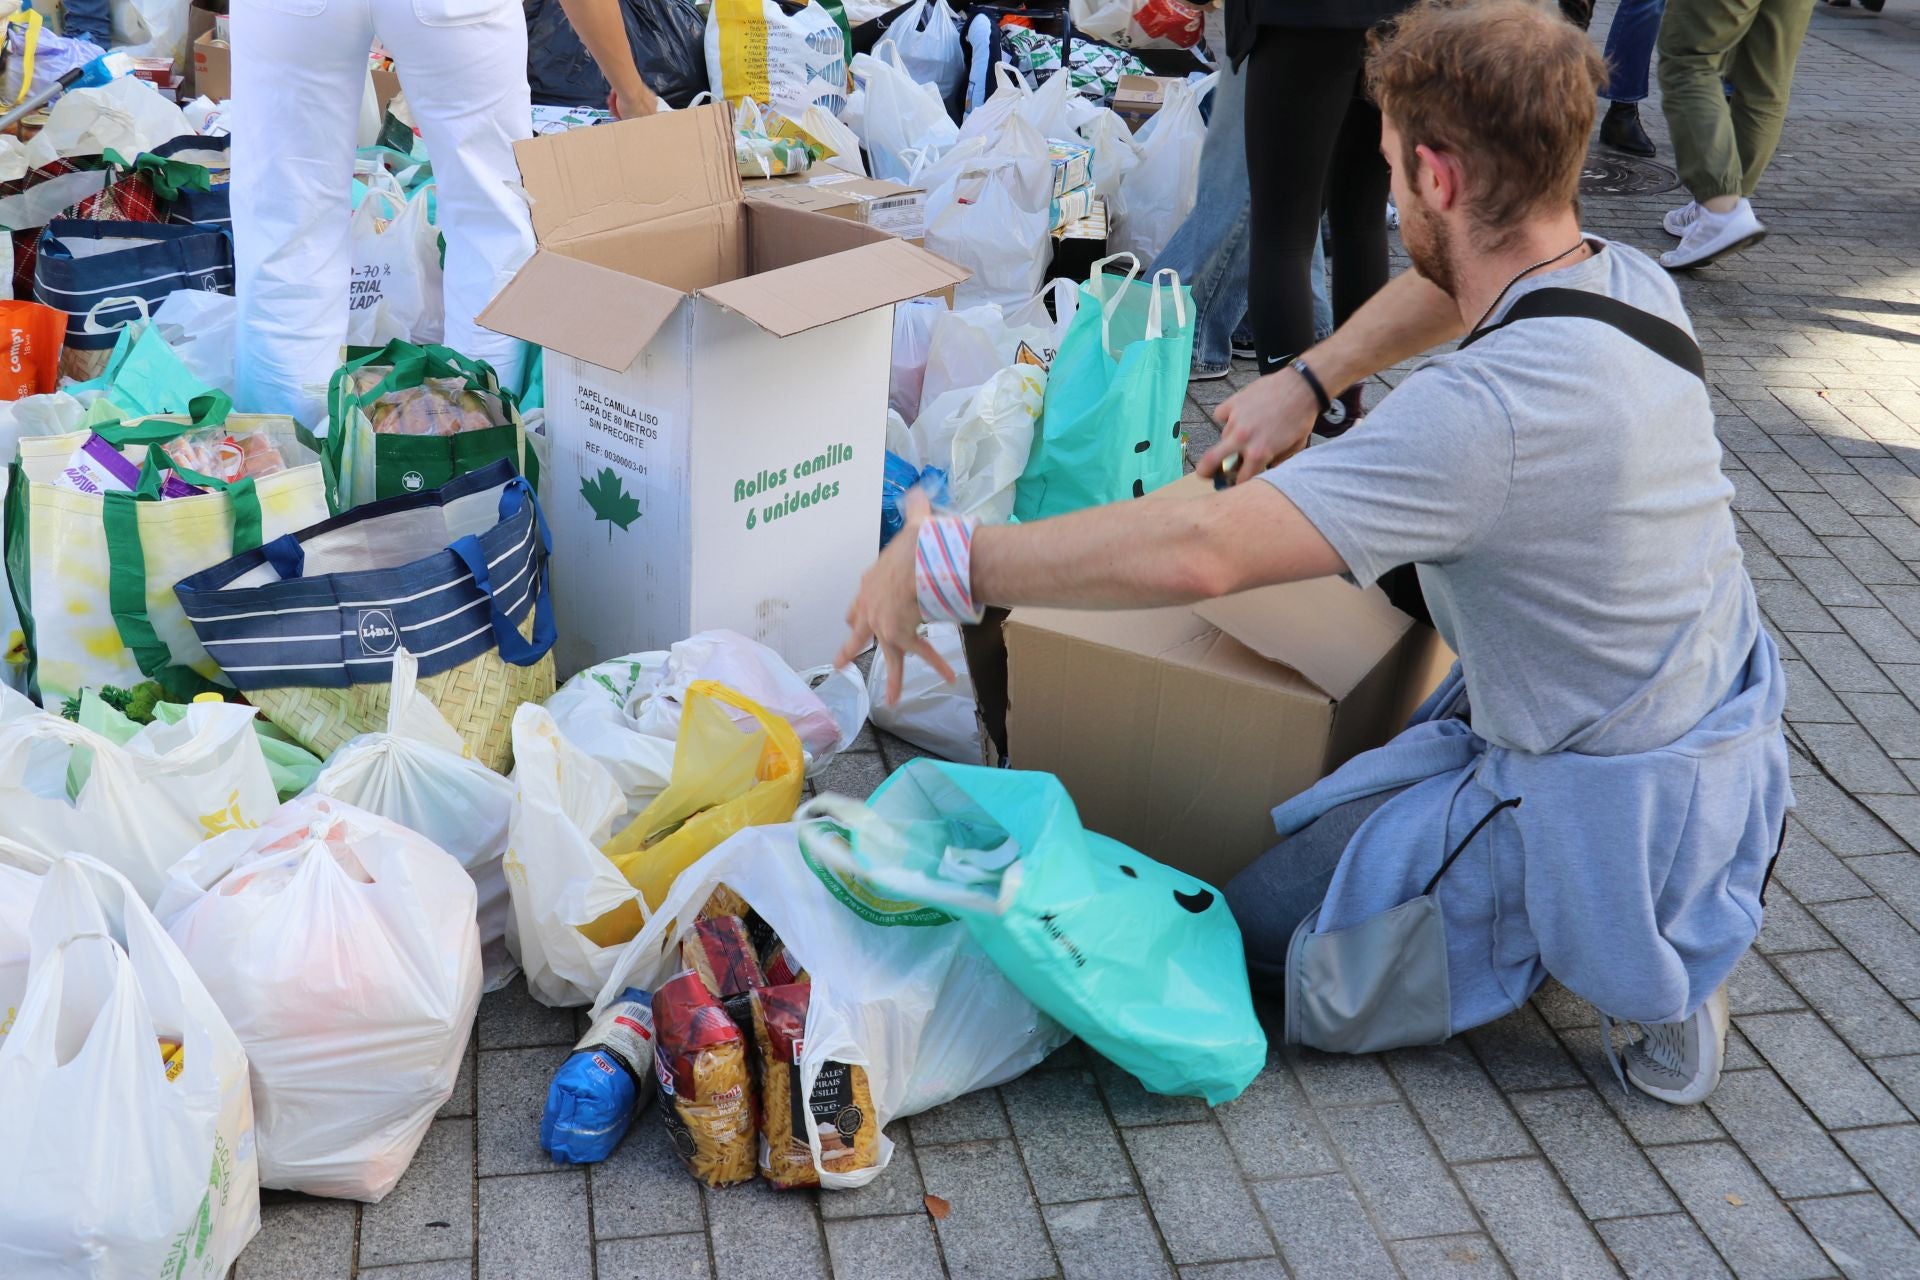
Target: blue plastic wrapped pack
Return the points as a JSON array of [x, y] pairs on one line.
[[606, 1083], [900, 476]]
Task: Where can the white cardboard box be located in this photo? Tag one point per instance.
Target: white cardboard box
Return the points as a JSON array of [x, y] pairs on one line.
[[716, 390]]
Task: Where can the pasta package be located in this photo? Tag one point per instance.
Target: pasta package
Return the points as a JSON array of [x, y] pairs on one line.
[[702, 1066], [720, 951], [841, 1100], [724, 902]]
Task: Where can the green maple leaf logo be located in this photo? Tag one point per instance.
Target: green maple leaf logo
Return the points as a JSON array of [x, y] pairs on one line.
[[610, 500]]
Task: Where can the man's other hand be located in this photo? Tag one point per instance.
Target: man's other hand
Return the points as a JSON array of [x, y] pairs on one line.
[[1262, 424], [887, 610]]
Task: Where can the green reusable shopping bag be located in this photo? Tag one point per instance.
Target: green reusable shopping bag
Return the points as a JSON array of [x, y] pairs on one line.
[[92, 575], [1110, 425], [364, 463], [1141, 961]]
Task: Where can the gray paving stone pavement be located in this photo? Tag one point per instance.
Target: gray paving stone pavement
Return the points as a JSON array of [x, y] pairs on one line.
[[1510, 1151]]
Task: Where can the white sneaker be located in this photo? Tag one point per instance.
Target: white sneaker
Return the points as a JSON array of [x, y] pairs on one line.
[[1678, 220], [1713, 236], [1679, 1062]]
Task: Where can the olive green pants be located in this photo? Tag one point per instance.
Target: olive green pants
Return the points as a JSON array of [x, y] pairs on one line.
[[1722, 145]]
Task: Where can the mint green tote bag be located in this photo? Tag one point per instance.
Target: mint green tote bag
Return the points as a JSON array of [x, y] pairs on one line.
[[1110, 424], [1139, 960]]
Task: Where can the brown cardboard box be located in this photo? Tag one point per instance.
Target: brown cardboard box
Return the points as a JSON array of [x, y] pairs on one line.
[[212, 67], [1178, 730], [1137, 99], [386, 87], [889, 206], [716, 369], [199, 22]]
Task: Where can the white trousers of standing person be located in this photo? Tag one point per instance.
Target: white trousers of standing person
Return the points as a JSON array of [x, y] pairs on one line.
[[299, 68]]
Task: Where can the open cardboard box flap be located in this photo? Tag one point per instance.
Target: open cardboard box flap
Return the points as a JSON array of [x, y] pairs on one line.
[[1327, 629], [613, 189], [603, 316], [587, 181], [806, 295]]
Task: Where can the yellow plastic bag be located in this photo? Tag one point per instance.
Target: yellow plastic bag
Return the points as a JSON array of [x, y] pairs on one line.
[[724, 780]]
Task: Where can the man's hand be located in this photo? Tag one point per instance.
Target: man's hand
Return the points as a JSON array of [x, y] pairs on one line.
[[1262, 424], [887, 610]]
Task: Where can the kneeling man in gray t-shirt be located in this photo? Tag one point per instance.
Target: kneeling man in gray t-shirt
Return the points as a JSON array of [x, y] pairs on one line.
[[1597, 792]]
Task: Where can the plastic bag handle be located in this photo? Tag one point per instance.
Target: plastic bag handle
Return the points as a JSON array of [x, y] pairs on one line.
[[1153, 305], [1097, 286], [816, 817], [779, 732], [91, 324], [748, 117], [397, 203], [405, 671]]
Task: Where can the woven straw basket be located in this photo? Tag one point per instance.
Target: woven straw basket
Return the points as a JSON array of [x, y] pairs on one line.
[[478, 699]]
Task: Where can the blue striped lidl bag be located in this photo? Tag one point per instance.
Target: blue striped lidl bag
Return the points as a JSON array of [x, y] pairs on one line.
[[308, 625]]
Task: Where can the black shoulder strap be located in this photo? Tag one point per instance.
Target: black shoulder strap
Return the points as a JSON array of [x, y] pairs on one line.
[[1661, 337]]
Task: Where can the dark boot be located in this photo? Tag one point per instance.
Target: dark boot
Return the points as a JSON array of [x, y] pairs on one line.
[[1345, 412], [1620, 130]]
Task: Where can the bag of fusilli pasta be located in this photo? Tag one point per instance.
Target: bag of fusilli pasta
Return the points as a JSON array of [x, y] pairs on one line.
[[702, 1064], [840, 1101]]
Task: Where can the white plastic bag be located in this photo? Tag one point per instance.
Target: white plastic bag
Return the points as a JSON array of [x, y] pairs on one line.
[[150, 29], [984, 440], [112, 1168], [565, 807], [993, 219], [1156, 197], [913, 323], [1114, 151], [968, 347], [1054, 110], [985, 121], [141, 806], [127, 114], [898, 989], [1140, 24], [599, 711], [928, 36], [200, 327], [421, 774], [905, 121], [932, 714], [829, 131], [343, 951], [21, 870], [785, 60], [395, 289]]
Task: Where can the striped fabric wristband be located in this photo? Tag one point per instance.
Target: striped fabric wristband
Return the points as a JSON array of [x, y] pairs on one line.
[[943, 570]]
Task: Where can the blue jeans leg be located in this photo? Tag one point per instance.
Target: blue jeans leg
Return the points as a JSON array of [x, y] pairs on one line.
[[1210, 248], [1630, 39], [1322, 300]]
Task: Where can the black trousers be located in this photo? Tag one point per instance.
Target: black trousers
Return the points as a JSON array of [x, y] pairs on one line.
[[1313, 144]]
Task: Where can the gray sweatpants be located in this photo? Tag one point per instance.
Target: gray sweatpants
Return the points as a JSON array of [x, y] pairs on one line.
[[1287, 883]]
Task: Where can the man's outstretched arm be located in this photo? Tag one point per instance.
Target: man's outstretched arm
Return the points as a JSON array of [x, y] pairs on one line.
[[1127, 555]]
